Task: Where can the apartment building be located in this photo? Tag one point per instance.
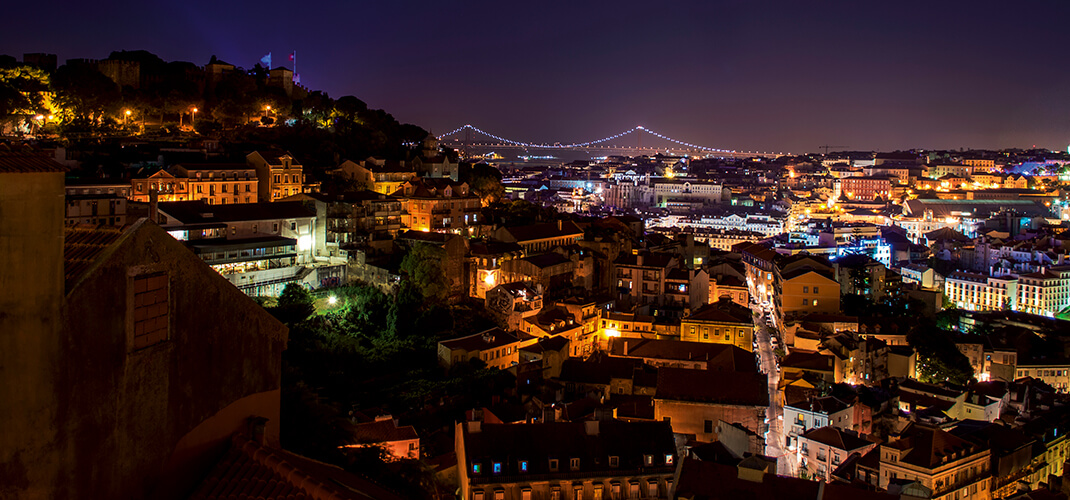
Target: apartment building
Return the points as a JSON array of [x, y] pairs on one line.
[[440, 205], [278, 175], [722, 322], [565, 460], [217, 183], [951, 467]]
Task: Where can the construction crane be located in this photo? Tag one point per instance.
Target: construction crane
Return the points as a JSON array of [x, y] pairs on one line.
[[826, 147]]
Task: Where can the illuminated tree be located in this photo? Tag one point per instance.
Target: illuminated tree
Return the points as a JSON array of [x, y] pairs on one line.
[[82, 92], [24, 94]]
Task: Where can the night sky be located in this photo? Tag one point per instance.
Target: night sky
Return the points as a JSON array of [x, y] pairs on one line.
[[781, 76]]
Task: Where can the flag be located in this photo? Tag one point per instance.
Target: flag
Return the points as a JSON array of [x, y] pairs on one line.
[[293, 55], [266, 60]]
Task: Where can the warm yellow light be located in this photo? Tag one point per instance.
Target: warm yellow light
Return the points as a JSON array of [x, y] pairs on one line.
[[195, 110], [332, 300], [267, 108], [128, 112], [611, 332], [489, 279]]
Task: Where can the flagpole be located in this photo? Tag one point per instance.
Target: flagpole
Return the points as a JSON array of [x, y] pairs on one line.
[[295, 64]]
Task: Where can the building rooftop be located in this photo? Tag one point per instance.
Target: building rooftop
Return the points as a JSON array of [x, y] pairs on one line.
[[718, 357], [82, 246], [200, 212], [250, 470], [383, 431], [26, 162], [931, 447], [545, 230], [592, 442], [722, 311], [488, 339], [707, 386], [836, 438]]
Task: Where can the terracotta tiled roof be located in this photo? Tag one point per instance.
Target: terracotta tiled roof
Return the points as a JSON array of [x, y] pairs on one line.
[[836, 438], [82, 246], [251, 471], [545, 230], [683, 384], [490, 339], [929, 447], [17, 162], [719, 357], [709, 480], [383, 431], [722, 311]]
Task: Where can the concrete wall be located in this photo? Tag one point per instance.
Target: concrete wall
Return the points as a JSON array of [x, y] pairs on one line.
[[31, 298], [128, 411], [689, 418], [84, 414]]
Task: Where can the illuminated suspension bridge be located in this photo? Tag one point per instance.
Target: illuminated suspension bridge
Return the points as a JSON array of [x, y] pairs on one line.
[[615, 142]]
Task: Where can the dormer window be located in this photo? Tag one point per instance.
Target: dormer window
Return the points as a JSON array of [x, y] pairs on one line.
[[553, 465], [523, 466], [648, 460], [574, 464], [477, 468], [497, 467], [668, 459], [614, 461]]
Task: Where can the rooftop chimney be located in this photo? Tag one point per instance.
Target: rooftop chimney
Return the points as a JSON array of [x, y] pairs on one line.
[[559, 224], [154, 201], [625, 347]]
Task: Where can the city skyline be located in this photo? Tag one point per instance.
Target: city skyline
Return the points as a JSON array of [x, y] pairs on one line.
[[786, 78]]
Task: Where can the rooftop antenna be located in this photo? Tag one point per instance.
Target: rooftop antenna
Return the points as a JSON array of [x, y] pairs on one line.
[[827, 147]]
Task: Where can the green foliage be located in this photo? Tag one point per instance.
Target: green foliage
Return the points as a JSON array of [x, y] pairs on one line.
[[295, 304], [939, 360], [23, 92], [485, 180], [82, 92], [518, 213], [422, 275]]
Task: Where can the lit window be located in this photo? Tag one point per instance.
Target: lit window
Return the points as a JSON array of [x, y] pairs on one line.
[[477, 468], [523, 466], [497, 467]]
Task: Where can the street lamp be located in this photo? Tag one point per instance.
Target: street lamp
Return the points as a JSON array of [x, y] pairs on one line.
[[193, 116], [126, 115]]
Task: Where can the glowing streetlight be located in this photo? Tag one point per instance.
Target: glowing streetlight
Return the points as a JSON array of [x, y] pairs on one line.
[[193, 117], [126, 114], [332, 300]]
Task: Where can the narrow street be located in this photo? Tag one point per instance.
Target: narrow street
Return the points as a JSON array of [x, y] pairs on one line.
[[774, 438]]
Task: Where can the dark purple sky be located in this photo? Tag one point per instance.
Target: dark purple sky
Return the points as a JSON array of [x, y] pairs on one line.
[[746, 74]]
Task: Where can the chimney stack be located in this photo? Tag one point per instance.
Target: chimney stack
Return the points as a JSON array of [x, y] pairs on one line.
[[625, 347], [154, 202], [559, 228]]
